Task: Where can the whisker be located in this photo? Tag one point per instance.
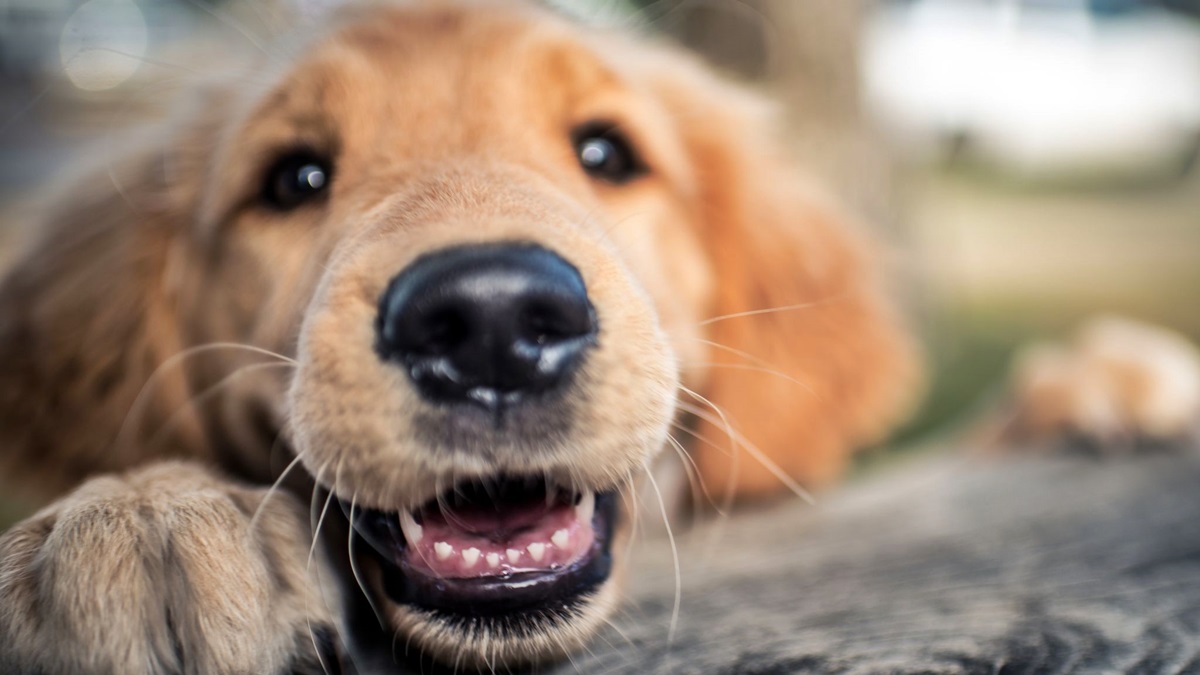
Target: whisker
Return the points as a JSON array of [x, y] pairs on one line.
[[137, 96], [703, 414], [695, 480], [678, 426], [308, 565], [723, 511], [771, 310], [263, 20], [754, 451], [140, 58], [619, 663], [279, 443], [237, 345], [135, 409], [674, 557], [757, 369], [632, 504], [229, 21], [767, 366], [271, 491], [619, 631], [562, 644], [600, 635], [588, 649], [736, 458], [362, 586], [318, 523], [194, 402]]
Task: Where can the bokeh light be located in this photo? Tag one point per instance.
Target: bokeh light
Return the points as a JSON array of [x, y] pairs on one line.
[[103, 43]]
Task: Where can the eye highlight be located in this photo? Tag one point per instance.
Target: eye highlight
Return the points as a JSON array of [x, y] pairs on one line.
[[296, 178], [606, 154]]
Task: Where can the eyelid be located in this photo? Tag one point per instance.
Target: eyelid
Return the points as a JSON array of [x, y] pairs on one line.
[[600, 127]]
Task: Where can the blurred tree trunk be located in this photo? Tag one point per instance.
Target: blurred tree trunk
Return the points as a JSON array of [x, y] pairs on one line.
[[806, 52]]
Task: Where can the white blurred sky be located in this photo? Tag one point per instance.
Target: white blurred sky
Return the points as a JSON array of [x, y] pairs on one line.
[[1039, 87]]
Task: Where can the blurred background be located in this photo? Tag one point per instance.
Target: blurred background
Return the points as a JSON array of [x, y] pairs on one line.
[[1030, 162]]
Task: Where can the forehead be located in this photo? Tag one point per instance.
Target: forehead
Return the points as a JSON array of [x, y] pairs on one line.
[[399, 75]]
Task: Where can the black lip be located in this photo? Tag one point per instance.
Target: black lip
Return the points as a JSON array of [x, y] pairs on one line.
[[486, 596]]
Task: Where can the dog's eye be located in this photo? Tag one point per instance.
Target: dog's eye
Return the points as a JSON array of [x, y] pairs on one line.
[[605, 154], [296, 179]]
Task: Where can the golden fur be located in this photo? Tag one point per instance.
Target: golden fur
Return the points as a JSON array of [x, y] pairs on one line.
[[450, 123]]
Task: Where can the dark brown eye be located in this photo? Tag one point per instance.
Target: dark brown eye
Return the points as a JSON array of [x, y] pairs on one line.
[[295, 179], [606, 154]]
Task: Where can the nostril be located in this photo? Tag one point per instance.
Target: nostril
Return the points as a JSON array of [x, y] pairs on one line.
[[546, 322], [441, 332]]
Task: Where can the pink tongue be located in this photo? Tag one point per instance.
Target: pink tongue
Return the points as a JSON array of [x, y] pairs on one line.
[[487, 520], [484, 541]]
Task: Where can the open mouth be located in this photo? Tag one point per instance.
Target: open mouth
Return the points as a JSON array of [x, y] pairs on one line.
[[490, 548]]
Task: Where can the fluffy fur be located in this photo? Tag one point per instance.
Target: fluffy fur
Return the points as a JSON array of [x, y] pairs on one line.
[[448, 123]]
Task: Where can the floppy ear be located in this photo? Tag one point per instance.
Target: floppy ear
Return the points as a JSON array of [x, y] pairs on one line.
[[809, 360], [87, 313]]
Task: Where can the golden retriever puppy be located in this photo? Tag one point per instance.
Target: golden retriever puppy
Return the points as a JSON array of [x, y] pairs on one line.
[[464, 269]]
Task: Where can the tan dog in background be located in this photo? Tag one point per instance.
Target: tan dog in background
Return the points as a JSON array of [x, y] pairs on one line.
[[470, 265]]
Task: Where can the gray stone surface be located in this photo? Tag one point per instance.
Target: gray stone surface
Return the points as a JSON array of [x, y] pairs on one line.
[[999, 565]]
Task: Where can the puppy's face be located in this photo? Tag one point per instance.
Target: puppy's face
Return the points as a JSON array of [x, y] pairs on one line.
[[503, 256], [469, 215]]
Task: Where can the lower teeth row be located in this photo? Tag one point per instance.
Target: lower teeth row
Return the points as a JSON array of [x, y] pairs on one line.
[[471, 556]]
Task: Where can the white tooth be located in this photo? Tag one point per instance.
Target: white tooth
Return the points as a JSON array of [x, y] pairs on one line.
[[513, 555], [561, 538], [493, 559], [443, 550], [586, 508], [471, 556], [537, 550], [412, 531]]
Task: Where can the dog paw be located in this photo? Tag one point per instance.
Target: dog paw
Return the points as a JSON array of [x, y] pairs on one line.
[[1120, 383], [165, 570]]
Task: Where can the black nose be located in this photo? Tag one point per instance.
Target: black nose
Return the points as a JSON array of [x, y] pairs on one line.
[[490, 324]]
